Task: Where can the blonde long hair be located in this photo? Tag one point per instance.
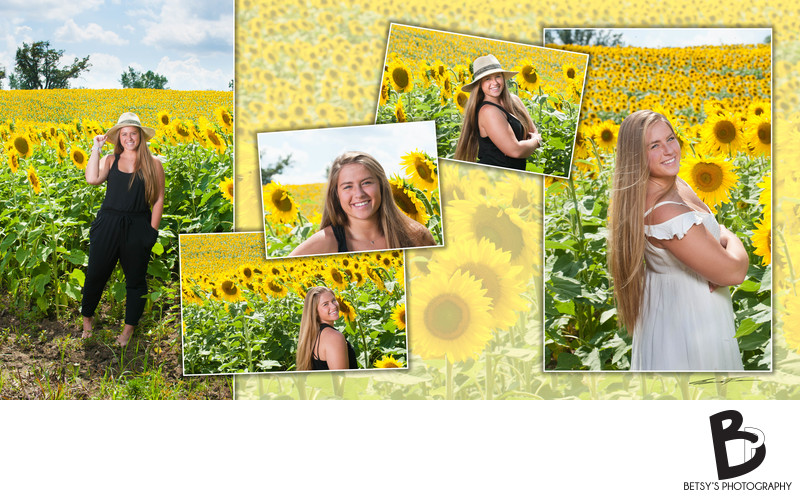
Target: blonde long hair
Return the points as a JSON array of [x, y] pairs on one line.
[[395, 225], [309, 327], [144, 166], [626, 242], [467, 146]]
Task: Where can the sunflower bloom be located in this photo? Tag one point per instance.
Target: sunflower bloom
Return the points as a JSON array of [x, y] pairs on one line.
[[408, 202], [61, 146], [399, 316], [336, 278], [762, 240], [79, 157], [711, 178], [22, 144], [491, 267], [605, 135], [276, 289], [422, 170], [279, 203], [451, 317], [400, 77], [226, 187], [721, 134], [399, 112], [461, 99], [528, 78], [346, 310], [214, 140], [224, 119], [570, 72], [34, 180], [758, 134], [389, 361], [13, 162], [163, 119], [228, 290]]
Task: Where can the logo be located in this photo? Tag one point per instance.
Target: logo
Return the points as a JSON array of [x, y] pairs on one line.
[[747, 449]]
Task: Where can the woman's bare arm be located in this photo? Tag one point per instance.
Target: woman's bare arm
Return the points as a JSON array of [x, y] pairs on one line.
[[493, 121]]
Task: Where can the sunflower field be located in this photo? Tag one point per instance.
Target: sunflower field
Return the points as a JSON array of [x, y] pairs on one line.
[[718, 100], [425, 70], [293, 213], [241, 313], [47, 206]]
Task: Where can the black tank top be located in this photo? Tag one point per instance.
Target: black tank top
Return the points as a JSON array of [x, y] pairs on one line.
[[341, 239], [119, 197], [317, 364], [488, 153]]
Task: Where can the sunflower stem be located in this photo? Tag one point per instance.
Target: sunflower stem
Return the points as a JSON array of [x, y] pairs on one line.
[[489, 377], [448, 377]]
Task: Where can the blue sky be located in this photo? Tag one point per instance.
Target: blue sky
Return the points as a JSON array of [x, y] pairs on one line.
[[189, 42], [314, 150]]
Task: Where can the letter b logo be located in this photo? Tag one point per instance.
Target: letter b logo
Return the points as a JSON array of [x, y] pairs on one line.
[[753, 447]]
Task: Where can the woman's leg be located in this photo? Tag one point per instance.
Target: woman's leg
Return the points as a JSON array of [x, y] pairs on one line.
[[134, 257], [103, 255]]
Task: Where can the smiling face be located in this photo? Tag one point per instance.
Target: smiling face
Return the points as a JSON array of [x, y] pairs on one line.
[[663, 150], [493, 85], [129, 138], [327, 308], [359, 191]]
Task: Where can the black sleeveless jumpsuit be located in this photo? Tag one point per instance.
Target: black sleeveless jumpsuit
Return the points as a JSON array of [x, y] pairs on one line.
[[121, 231]]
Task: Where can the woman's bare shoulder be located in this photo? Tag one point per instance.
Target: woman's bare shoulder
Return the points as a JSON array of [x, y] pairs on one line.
[[322, 242], [329, 336], [420, 235]]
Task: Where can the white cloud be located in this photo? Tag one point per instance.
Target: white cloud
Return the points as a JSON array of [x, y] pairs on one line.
[[104, 73], [71, 32], [189, 74], [193, 31]]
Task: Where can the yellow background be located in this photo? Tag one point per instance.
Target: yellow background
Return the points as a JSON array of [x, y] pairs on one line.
[[316, 64]]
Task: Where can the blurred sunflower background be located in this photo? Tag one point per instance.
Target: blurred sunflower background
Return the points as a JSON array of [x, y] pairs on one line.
[[309, 44]]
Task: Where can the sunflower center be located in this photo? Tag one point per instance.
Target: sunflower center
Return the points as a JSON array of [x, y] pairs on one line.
[[447, 316], [281, 201], [529, 74], [606, 135], [404, 202], [79, 157], [725, 132], [275, 287], [462, 99], [336, 276], [708, 177], [764, 133], [400, 77], [571, 73], [423, 170], [229, 288], [22, 145]]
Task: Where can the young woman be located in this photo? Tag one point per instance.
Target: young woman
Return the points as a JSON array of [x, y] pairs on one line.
[[497, 129], [321, 346], [126, 227], [360, 213], [670, 260]]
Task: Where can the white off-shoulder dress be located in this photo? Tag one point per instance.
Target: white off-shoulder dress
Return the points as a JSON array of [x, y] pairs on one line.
[[682, 325]]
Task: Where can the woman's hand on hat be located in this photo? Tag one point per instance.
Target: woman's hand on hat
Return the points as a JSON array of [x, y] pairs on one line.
[[99, 141]]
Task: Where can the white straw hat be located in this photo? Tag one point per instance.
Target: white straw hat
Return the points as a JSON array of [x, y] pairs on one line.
[[128, 119], [484, 66]]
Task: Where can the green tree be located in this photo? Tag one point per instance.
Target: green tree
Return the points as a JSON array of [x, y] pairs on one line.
[[601, 37], [2, 75], [37, 67], [135, 79]]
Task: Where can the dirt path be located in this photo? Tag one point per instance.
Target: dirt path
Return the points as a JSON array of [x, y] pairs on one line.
[[47, 359]]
